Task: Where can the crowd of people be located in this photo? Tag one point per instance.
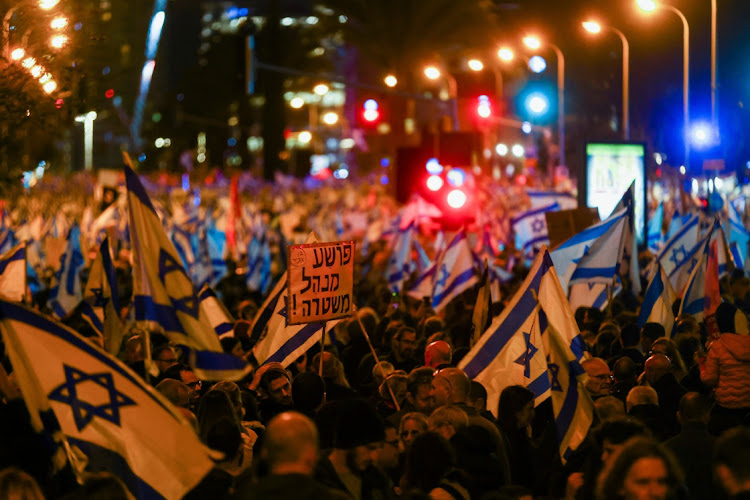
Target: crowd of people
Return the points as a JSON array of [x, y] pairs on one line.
[[382, 411]]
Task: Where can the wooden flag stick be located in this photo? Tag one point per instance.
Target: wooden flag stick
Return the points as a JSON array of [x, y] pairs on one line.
[[377, 361], [322, 348]]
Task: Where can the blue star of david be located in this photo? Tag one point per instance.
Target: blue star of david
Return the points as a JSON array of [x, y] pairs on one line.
[[675, 252], [693, 263], [445, 273], [537, 225], [99, 299], [585, 251], [554, 371], [84, 412], [525, 358]]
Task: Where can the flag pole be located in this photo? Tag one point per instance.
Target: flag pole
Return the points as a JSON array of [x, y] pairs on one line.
[[322, 347], [377, 361]]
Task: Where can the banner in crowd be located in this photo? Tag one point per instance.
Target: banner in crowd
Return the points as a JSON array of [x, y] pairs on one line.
[[321, 282]]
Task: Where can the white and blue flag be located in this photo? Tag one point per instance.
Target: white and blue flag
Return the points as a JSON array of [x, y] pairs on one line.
[[164, 293], [694, 297], [454, 273], [657, 302], [542, 198], [258, 276], [66, 294], [218, 315], [530, 229], [101, 408], [567, 255], [399, 264], [654, 235], [13, 273], [737, 236], [675, 251], [601, 262], [101, 306], [677, 222]]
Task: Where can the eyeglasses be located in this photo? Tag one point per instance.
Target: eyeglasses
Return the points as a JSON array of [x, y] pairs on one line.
[[194, 385]]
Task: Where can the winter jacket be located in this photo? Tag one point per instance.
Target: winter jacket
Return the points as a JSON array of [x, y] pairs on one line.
[[727, 366]]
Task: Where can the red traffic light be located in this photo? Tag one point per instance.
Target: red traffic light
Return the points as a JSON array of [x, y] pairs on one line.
[[110, 93], [483, 108], [370, 112], [59, 103]]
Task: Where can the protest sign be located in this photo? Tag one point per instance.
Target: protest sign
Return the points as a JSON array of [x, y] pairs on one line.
[[320, 282]]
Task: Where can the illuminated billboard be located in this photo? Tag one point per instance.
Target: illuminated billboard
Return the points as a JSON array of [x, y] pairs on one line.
[[610, 169]]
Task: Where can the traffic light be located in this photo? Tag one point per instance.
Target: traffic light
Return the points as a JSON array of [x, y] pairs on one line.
[[484, 110], [109, 94], [59, 103], [370, 112]]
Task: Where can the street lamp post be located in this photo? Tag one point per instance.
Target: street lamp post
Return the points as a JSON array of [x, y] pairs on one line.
[[651, 5], [714, 116], [433, 73], [534, 43], [88, 138], [594, 27]]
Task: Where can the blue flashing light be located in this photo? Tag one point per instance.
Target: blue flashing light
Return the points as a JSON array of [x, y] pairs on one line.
[[537, 64], [434, 167], [185, 182], [702, 134], [233, 13], [197, 197], [231, 142], [526, 127], [385, 162], [384, 180], [105, 70], [456, 177], [537, 103], [371, 104], [244, 12], [142, 157]]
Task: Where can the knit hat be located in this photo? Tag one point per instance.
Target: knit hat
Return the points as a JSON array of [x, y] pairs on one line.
[[731, 320], [357, 424]]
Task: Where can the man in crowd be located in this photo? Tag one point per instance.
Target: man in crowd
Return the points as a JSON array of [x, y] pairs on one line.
[[274, 387], [732, 463]]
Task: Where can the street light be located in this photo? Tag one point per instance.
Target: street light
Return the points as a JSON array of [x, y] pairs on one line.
[[88, 138], [475, 65], [535, 43], [596, 28], [391, 81], [505, 54], [433, 73], [649, 6]]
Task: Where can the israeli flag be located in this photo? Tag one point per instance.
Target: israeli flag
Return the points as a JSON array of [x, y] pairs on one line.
[[101, 408], [600, 262], [594, 295], [66, 294], [423, 285], [13, 273], [542, 198], [217, 250], [455, 272], [217, 313], [675, 251], [567, 255], [680, 275], [677, 222], [101, 306], [657, 302], [694, 298], [258, 275], [737, 235], [164, 293], [399, 263], [655, 236], [423, 260], [530, 228], [629, 265]]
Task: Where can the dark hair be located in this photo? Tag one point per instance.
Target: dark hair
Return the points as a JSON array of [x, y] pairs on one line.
[[308, 392], [624, 370], [175, 370], [694, 407], [687, 346], [732, 450], [225, 436], [629, 335], [214, 406], [477, 391], [512, 400], [418, 377], [428, 460], [611, 480], [618, 430], [652, 331]]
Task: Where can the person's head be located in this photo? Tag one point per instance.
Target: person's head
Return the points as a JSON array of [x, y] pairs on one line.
[[630, 335], [394, 386], [437, 353], [358, 434], [649, 333], [185, 374], [642, 469], [381, 370], [223, 435], [609, 407], [515, 409], [624, 371], [308, 392], [164, 357], [272, 381], [388, 454], [16, 484], [731, 320], [610, 435], [290, 444], [477, 396], [214, 406], [428, 459], [446, 420], [232, 345], [175, 391], [235, 395], [688, 345], [599, 380], [641, 395], [419, 389], [688, 325], [134, 349], [731, 460], [450, 385], [668, 347], [412, 425], [404, 343], [695, 408], [655, 367]]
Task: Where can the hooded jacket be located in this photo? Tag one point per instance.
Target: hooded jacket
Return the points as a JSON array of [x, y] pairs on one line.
[[727, 366]]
